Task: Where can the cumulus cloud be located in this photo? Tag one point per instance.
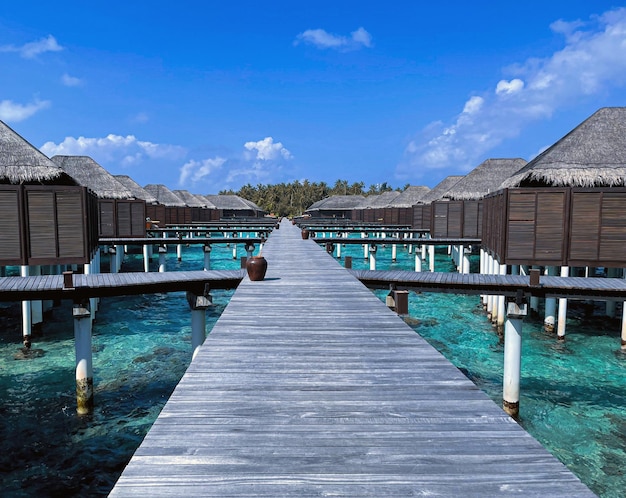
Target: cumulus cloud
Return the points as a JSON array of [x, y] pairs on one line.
[[267, 150], [323, 39], [33, 49], [591, 61], [114, 148], [259, 162], [68, 80], [13, 112]]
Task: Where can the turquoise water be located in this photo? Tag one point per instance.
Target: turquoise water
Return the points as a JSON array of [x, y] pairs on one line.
[[573, 393]]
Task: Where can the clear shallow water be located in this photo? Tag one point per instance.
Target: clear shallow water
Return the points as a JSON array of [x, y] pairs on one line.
[[573, 394]]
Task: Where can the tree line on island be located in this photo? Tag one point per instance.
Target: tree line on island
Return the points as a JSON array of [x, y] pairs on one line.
[[292, 199]]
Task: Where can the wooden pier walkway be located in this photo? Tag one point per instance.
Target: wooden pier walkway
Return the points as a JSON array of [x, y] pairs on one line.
[[309, 386]]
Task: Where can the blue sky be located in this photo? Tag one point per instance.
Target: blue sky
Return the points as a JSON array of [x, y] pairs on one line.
[[206, 95]]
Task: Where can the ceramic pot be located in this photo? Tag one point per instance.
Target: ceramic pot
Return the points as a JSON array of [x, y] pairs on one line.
[[305, 234], [256, 266]]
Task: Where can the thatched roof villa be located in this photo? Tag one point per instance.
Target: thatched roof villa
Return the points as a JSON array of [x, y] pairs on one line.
[[137, 191], [171, 209], [335, 206], [484, 179], [46, 218], [233, 206], [566, 207], [201, 208], [422, 208]]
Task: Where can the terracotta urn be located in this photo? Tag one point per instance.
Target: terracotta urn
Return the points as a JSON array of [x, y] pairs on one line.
[[305, 233], [256, 266]]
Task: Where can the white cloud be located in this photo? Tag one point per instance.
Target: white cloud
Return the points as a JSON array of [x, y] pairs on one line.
[[68, 80], [267, 150], [114, 148], [323, 39], [13, 112], [509, 87], [33, 49], [197, 170], [591, 62]]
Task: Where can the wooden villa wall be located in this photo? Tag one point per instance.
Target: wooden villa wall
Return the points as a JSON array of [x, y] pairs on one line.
[[175, 215], [122, 218], [421, 217], [446, 219], [199, 214], [156, 212], [557, 226], [47, 225]]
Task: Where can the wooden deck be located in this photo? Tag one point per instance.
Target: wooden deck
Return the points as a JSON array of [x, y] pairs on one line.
[[309, 386]]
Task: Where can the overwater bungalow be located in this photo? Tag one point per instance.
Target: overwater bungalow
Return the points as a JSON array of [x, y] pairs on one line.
[[422, 209], [399, 211], [232, 206], [458, 213], [120, 213], [335, 206], [46, 217], [373, 207], [199, 205], [170, 210], [566, 207]]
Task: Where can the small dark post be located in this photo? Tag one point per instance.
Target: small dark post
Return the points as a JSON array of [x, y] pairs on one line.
[[348, 262], [534, 277], [244, 262], [68, 280]]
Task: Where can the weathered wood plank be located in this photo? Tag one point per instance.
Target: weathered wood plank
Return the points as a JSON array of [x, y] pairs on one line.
[[309, 386]]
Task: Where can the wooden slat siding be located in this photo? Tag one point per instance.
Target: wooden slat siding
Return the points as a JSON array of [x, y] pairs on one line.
[[585, 230], [439, 219], [12, 226], [40, 208], [107, 217], [551, 223], [613, 238], [309, 386], [471, 219], [455, 219], [71, 229]]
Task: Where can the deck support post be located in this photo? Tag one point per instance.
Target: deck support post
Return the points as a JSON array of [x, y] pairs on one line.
[[88, 269], [418, 261], [491, 299], [36, 306], [550, 306], [206, 249], [162, 253], [84, 359], [466, 260], [431, 258], [146, 258], [373, 249], [27, 315], [366, 251], [394, 252], [234, 250], [610, 305], [515, 313], [501, 306], [534, 300], [119, 252], [339, 250], [112, 259], [198, 306], [483, 271], [179, 251], [560, 332]]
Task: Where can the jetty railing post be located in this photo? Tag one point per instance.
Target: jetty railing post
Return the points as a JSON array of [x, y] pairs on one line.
[[206, 249], [515, 313], [84, 359], [162, 253], [198, 305], [27, 316], [373, 249], [560, 331], [418, 261], [550, 306]]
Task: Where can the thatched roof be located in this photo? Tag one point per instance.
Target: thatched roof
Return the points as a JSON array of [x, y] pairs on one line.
[[21, 162], [484, 179], [440, 189], [591, 155], [380, 200], [337, 203], [232, 203], [204, 199], [137, 190], [189, 199], [164, 195], [410, 197], [90, 174]]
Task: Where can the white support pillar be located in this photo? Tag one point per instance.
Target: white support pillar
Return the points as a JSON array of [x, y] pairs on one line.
[[394, 252], [162, 253], [483, 271], [198, 306], [560, 331], [623, 345], [36, 307], [339, 250], [112, 259], [373, 249], [146, 258], [431, 258], [610, 305], [27, 317], [119, 252], [84, 360], [234, 250], [490, 297], [534, 300], [179, 251], [366, 251], [465, 254], [501, 306], [207, 257], [92, 306], [512, 358], [418, 261], [550, 306]]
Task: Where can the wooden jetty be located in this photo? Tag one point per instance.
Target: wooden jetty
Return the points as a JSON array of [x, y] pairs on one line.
[[308, 385]]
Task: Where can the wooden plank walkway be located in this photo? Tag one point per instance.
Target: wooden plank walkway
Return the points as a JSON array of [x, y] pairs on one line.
[[309, 386]]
